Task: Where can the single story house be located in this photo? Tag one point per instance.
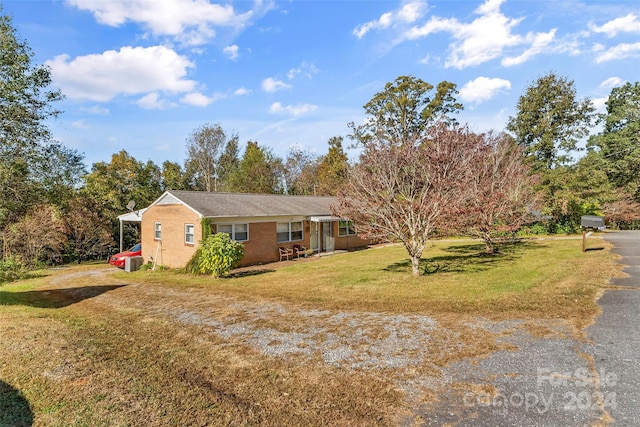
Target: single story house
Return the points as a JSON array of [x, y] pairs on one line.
[[172, 226]]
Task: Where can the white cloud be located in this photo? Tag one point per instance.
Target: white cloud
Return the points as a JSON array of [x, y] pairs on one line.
[[305, 69], [152, 101], [600, 103], [625, 24], [98, 110], [129, 71], [611, 82], [539, 43], [482, 40], [621, 51], [231, 52], [485, 38], [483, 89], [162, 147], [191, 21], [272, 85], [407, 14], [242, 91], [197, 99], [80, 124], [292, 110]]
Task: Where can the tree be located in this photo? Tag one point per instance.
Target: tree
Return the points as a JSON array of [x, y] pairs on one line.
[[38, 237], [173, 177], [405, 109], [113, 185], [25, 106], [550, 121], [410, 190], [300, 171], [259, 171], [205, 146], [89, 233], [501, 195], [228, 164], [332, 169], [619, 141]]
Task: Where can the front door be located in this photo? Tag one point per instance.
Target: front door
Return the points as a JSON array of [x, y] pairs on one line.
[[328, 244]]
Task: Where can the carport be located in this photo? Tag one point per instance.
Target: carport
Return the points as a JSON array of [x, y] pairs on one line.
[[131, 217]]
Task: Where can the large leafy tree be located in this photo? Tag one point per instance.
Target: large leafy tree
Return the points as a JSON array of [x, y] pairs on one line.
[[300, 171], [550, 121], [205, 147], [228, 164], [113, 185], [619, 141], [405, 109], [332, 169], [89, 233], [26, 148], [259, 171]]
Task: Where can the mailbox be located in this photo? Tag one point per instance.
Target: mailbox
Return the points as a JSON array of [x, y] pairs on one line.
[[592, 221]]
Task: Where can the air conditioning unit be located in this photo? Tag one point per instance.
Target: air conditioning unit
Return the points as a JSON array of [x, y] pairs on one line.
[[133, 263]]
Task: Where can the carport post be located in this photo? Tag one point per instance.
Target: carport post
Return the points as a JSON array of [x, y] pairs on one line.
[[120, 220]]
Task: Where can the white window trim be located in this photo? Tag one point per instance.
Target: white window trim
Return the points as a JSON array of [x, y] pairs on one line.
[[289, 225], [233, 231], [193, 234], [347, 234], [157, 228]]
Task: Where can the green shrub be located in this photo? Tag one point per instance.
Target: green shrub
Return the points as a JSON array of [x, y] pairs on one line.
[[10, 270], [217, 255]]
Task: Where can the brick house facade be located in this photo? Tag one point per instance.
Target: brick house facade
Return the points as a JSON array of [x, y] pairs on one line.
[[172, 226]]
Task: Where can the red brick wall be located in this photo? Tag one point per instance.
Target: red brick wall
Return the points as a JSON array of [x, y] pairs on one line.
[[262, 246]]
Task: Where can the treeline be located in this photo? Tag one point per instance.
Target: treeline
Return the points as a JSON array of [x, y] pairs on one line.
[[55, 210]]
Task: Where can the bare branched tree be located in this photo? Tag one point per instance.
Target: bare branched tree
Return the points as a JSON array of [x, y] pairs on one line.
[[408, 191], [205, 146]]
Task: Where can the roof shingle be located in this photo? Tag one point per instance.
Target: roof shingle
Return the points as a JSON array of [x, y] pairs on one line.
[[248, 205]]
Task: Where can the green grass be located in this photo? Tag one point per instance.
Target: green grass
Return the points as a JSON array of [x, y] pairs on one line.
[[532, 278], [66, 360]]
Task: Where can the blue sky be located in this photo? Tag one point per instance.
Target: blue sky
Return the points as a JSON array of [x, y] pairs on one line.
[[142, 75]]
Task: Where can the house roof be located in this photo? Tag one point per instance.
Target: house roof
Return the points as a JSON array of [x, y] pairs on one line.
[[247, 205]]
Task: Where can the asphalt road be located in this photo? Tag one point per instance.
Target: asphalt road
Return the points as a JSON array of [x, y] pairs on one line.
[[616, 334], [556, 380]]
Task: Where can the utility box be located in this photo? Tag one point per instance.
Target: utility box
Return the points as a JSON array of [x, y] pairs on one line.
[[592, 221], [133, 263]]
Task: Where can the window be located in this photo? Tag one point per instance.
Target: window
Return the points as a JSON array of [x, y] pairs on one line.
[[188, 234], [289, 231], [157, 231], [346, 228], [238, 232]]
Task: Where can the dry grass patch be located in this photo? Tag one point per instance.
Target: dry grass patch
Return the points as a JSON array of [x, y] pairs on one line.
[[84, 348]]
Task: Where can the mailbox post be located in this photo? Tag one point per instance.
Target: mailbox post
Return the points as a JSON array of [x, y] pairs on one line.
[[590, 222]]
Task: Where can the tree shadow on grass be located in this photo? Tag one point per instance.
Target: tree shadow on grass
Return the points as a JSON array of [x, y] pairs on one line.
[[54, 298], [470, 258], [14, 408]]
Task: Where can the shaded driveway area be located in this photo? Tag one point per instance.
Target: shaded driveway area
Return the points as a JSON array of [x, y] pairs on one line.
[[560, 378]]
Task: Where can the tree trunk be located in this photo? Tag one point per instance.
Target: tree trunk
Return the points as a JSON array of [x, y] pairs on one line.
[[488, 242], [415, 265], [415, 250]]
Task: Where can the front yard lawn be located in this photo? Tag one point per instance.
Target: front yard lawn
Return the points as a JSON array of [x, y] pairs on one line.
[[87, 345]]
